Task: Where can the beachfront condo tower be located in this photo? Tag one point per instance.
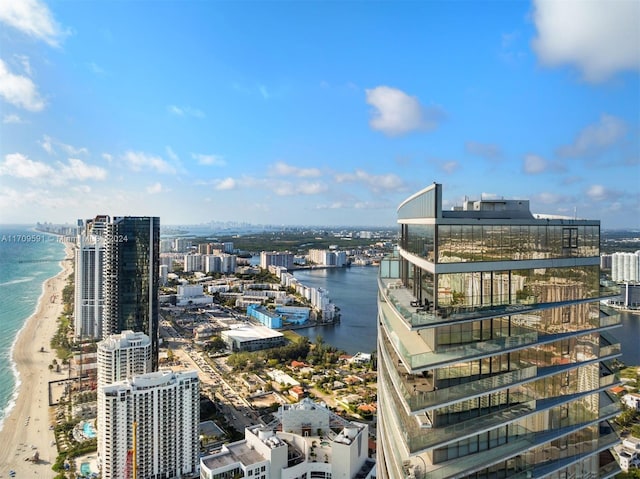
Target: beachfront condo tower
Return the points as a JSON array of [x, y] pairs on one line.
[[495, 354], [88, 293], [131, 267], [122, 356], [148, 426]]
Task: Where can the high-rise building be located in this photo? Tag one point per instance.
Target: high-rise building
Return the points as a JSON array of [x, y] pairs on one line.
[[276, 258], [625, 267], [122, 356], [494, 351], [131, 277], [149, 424], [88, 293]]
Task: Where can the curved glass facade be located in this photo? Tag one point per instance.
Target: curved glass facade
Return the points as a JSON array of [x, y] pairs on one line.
[[494, 353]]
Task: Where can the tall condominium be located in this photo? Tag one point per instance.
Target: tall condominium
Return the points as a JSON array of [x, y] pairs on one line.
[[122, 356], [276, 258], [494, 352], [148, 426], [625, 267], [131, 269], [89, 297]]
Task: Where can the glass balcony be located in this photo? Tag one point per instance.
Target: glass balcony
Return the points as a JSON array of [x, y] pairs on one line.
[[419, 393], [403, 302], [460, 466], [418, 355]]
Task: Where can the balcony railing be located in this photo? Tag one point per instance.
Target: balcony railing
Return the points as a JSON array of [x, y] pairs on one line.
[[401, 299], [417, 355], [413, 389]]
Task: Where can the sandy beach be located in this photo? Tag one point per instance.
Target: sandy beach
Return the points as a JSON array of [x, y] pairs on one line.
[[26, 428]]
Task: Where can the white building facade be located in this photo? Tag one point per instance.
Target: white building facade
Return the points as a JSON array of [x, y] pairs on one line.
[[122, 356], [625, 267], [276, 258], [149, 424], [88, 294], [306, 440]]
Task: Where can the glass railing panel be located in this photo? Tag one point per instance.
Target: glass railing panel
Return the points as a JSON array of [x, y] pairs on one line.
[[612, 320], [611, 469], [485, 459], [607, 380], [417, 358], [609, 289], [612, 350], [422, 400], [464, 429], [413, 390]]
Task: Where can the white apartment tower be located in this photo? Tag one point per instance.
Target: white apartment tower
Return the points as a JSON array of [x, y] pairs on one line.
[[625, 267], [276, 258], [149, 424], [122, 356], [88, 296]]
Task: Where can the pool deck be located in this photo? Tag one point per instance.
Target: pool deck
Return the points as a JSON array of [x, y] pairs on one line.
[[91, 458]]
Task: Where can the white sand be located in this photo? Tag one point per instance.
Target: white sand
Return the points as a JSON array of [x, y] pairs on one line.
[[27, 424]]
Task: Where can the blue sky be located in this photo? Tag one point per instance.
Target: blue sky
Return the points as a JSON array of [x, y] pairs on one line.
[[317, 113]]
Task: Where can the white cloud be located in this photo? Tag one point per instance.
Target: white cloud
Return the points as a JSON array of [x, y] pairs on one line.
[[450, 166], [225, 185], [33, 18], [264, 92], [376, 183], [396, 113], [156, 188], [79, 170], [595, 137], [285, 188], [213, 160], [12, 118], [19, 166], [185, 111], [600, 38], [95, 68], [489, 151], [50, 145], [534, 164], [177, 162], [26, 64], [548, 198], [283, 169], [139, 161], [19, 90], [597, 192]]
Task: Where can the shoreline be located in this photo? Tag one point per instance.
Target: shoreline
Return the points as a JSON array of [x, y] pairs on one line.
[[25, 427]]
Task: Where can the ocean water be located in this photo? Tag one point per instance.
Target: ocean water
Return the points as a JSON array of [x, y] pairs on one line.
[[27, 259]]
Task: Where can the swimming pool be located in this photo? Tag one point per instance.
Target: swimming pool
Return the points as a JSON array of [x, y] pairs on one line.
[[85, 469], [88, 430]]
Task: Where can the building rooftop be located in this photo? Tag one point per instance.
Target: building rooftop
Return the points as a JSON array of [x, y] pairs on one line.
[[237, 452], [245, 332]]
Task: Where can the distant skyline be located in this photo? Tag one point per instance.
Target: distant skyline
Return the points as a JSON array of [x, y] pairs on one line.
[[317, 113]]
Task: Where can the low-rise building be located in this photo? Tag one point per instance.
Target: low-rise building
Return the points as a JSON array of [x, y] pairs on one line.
[[632, 400], [305, 440], [247, 337], [628, 453]]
